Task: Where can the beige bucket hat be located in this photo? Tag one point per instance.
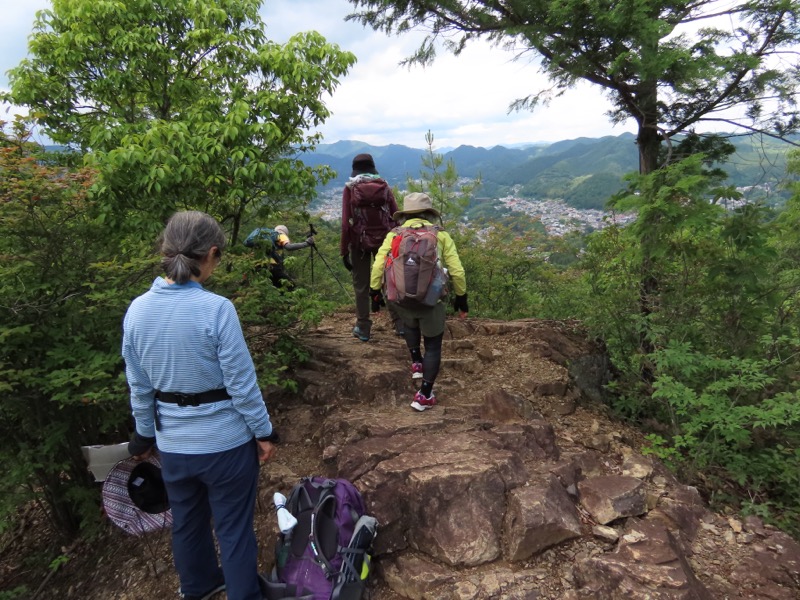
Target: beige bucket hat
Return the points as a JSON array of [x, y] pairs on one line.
[[415, 203]]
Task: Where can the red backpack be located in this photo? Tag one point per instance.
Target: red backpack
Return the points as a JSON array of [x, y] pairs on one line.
[[371, 217], [413, 274]]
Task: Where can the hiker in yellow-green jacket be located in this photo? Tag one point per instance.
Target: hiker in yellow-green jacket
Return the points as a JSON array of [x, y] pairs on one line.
[[423, 322]]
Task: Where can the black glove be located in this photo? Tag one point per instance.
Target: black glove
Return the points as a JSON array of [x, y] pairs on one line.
[[140, 444], [460, 303], [273, 438], [310, 240], [346, 262], [376, 297]]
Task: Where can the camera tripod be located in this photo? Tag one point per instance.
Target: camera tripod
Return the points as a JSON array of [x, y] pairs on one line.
[[312, 249]]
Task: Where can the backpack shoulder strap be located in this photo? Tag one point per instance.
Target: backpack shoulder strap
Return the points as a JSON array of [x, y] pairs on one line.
[[299, 499], [323, 527]]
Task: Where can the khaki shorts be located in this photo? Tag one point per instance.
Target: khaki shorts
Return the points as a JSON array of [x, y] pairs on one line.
[[429, 320]]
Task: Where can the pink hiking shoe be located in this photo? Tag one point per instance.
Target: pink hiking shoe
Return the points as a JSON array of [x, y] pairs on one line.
[[416, 370], [421, 403]]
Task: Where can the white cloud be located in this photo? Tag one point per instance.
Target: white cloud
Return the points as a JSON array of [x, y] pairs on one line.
[[462, 100], [16, 25]]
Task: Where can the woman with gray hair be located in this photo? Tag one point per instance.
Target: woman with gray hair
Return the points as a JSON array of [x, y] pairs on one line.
[[194, 394]]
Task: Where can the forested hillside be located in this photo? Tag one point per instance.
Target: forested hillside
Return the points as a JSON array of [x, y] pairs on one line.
[[583, 172]]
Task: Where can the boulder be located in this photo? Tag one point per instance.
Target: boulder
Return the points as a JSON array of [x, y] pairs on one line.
[[538, 517], [443, 495], [611, 497], [649, 564]]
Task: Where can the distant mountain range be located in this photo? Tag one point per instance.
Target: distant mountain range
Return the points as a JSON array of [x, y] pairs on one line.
[[583, 172]]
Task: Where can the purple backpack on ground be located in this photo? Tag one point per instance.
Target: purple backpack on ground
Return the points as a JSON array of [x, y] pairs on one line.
[[326, 555]]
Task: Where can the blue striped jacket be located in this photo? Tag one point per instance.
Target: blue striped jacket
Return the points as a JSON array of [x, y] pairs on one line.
[[183, 338]]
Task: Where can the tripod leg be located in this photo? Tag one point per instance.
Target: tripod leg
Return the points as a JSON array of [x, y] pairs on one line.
[[325, 262], [311, 253]]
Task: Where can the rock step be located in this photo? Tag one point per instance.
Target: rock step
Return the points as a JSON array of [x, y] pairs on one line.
[[478, 498]]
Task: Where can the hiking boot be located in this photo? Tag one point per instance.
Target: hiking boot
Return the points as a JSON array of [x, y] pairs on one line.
[[416, 370], [421, 403], [358, 333], [207, 596]]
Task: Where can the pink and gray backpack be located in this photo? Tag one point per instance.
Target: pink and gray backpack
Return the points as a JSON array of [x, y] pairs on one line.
[[413, 274]]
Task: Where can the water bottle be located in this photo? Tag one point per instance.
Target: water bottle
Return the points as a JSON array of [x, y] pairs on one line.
[[436, 287], [286, 520]]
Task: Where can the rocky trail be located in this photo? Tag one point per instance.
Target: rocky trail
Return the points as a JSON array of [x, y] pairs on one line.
[[515, 486]]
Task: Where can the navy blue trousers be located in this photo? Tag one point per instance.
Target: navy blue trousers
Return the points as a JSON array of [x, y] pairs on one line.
[[222, 486]]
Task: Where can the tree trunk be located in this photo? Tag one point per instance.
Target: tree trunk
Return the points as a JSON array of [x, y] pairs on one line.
[[648, 137], [648, 140]]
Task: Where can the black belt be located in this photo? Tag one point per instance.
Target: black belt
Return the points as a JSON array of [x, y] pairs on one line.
[[193, 399]]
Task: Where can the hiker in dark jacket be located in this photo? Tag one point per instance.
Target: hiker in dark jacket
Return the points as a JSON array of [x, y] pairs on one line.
[[424, 322], [358, 249]]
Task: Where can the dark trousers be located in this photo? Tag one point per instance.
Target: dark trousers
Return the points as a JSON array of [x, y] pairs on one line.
[[280, 278], [221, 486], [361, 273], [428, 324]]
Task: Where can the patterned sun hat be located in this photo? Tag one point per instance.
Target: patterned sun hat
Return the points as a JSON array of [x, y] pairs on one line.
[[135, 498]]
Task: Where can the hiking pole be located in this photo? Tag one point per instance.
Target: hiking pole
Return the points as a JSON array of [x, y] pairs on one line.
[[311, 232], [325, 262]]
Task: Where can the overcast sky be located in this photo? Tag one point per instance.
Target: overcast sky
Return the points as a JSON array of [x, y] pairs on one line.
[[461, 100]]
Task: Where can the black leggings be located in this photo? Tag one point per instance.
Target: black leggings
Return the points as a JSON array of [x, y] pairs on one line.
[[433, 351], [279, 275]]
